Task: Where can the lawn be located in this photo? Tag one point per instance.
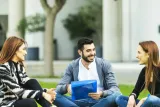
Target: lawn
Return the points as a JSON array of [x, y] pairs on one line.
[[125, 89]]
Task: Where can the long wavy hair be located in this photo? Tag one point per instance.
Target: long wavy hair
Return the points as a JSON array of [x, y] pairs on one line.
[[10, 46], [151, 48]]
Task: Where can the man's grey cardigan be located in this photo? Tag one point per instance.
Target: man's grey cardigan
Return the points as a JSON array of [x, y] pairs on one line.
[[104, 70]]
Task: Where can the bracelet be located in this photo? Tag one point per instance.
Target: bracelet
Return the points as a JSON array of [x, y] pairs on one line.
[[45, 90], [134, 95]]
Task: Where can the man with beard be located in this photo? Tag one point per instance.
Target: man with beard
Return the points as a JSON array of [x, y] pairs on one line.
[[89, 67]]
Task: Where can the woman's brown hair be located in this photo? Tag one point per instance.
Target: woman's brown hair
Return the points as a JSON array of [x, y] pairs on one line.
[[151, 48], [10, 46]]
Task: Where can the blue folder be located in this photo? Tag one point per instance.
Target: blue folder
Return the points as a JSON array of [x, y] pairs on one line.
[[80, 89]]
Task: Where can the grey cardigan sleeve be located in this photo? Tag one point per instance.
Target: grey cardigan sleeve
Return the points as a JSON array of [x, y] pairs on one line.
[[110, 85], [66, 79]]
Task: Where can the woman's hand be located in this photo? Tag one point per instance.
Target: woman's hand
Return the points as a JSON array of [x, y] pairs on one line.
[[141, 102], [131, 101], [52, 92], [48, 97]]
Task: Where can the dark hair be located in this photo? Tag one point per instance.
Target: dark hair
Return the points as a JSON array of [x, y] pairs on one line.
[[151, 48], [82, 42]]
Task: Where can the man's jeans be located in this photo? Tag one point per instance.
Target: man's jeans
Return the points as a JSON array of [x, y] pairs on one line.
[[64, 101], [151, 101]]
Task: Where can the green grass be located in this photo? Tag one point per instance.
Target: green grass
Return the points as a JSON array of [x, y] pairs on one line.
[[125, 89], [48, 84], [44, 76]]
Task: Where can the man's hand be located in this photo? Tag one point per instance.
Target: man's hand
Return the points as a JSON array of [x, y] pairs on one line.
[[141, 102], [52, 92], [69, 89], [96, 96]]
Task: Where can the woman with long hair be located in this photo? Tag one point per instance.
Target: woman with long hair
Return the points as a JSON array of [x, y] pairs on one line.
[[16, 88], [149, 78]]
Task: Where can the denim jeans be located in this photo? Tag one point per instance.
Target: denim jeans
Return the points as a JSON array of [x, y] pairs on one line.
[[64, 101], [151, 101]]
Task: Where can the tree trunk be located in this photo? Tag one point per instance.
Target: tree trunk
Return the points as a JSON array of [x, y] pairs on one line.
[[48, 45], [49, 33]]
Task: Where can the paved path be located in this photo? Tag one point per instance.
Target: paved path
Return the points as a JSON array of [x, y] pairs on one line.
[[56, 80]]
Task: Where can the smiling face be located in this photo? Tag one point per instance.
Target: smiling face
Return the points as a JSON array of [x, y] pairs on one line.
[[88, 53], [20, 54], [142, 56]]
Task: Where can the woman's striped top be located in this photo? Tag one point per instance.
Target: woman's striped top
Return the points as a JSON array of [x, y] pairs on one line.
[[12, 78]]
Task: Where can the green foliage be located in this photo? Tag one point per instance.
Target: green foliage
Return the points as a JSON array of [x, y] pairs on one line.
[[92, 14], [87, 22], [22, 27], [33, 23], [77, 27]]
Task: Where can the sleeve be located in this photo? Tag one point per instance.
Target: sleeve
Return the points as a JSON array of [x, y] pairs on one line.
[[157, 89], [109, 79], [66, 79], [9, 82], [139, 86], [33, 84], [23, 75]]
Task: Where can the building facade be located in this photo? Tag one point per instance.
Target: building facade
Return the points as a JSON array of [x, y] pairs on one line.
[[125, 24]]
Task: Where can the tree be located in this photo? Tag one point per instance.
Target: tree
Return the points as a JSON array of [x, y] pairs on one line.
[[32, 23], [77, 27], [87, 22], [92, 15], [51, 13]]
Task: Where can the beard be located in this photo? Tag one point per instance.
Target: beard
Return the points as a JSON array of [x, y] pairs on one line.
[[86, 58]]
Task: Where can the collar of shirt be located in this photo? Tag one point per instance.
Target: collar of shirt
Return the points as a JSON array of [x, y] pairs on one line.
[[90, 66]]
